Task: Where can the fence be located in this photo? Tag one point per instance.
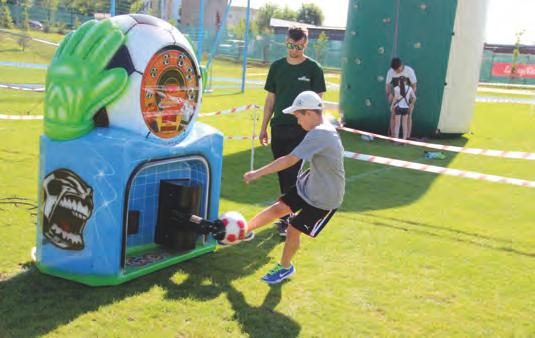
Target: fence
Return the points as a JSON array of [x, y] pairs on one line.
[[262, 47], [497, 66]]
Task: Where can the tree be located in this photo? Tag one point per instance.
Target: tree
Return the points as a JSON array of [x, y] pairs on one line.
[[311, 14], [320, 46], [516, 52], [52, 8], [25, 22], [239, 33], [136, 6], [286, 14], [264, 15], [5, 15]]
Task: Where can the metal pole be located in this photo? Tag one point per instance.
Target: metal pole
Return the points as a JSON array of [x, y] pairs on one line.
[[244, 66], [201, 30], [112, 7], [218, 36]]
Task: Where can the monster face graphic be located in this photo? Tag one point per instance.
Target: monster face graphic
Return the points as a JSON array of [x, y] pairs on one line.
[[67, 205]]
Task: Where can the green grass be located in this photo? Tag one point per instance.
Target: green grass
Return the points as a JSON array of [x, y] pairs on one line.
[[34, 52], [408, 254]]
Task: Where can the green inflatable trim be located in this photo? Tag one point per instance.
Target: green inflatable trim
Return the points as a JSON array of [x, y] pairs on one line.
[[129, 274]]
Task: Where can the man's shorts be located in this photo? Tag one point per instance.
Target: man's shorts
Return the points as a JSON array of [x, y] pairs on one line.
[[402, 111], [308, 219]]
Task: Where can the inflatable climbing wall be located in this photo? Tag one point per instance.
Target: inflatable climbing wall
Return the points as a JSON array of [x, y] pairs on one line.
[[442, 40]]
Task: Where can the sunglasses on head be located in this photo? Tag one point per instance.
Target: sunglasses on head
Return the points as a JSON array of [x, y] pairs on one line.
[[294, 46]]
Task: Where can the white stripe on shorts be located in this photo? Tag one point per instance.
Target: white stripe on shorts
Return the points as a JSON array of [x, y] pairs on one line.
[[321, 223]]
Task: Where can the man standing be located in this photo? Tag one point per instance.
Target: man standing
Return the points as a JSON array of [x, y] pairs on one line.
[[398, 70], [288, 77]]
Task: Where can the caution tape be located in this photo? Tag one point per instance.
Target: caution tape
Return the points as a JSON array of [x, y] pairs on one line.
[[493, 99], [439, 170], [231, 110], [38, 89], [21, 117], [227, 111], [473, 151], [242, 138]]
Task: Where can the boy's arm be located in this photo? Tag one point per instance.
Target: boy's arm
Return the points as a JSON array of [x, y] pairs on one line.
[[279, 164]]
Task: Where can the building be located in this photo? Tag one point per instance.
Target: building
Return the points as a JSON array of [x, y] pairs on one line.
[[236, 14], [213, 13], [164, 9]]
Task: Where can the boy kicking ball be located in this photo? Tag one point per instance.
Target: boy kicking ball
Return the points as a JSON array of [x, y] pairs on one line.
[[318, 192]]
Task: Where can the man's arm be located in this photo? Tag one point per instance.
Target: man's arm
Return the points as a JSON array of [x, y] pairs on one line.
[[268, 112], [413, 85], [279, 164], [388, 86], [388, 90]]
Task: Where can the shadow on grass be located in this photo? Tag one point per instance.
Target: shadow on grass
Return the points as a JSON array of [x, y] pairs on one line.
[[456, 235], [11, 50], [33, 304], [230, 266]]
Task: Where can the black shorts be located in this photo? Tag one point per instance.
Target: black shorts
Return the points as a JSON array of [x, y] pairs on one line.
[[402, 111], [308, 219]]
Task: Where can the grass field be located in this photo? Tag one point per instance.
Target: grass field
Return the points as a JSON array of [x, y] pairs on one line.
[[408, 254]]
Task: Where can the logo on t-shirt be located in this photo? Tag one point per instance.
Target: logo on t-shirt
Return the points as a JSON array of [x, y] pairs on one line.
[[303, 78]]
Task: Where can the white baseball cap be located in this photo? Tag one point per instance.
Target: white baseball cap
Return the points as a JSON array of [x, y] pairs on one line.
[[306, 100]]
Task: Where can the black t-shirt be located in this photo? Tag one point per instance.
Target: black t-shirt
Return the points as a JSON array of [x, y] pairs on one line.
[[286, 81]]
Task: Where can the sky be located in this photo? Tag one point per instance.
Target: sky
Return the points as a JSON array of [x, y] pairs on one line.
[[504, 18]]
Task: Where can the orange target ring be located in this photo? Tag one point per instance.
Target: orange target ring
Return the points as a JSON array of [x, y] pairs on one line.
[[169, 92]]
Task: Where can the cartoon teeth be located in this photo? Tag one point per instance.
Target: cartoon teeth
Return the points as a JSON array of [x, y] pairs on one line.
[[73, 238], [78, 209]]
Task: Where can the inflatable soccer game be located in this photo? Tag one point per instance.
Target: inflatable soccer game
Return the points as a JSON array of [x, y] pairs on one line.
[[128, 180]]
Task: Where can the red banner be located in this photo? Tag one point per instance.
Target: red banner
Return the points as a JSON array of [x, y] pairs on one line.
[[505, 69]]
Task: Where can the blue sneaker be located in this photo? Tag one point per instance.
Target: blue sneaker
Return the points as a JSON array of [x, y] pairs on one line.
[[278, 274], [248, 237]]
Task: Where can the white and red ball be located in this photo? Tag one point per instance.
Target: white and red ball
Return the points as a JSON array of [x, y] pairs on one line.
[[235, 227]]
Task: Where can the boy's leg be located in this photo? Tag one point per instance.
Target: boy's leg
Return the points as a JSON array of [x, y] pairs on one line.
[[277, 210], [291, 245]]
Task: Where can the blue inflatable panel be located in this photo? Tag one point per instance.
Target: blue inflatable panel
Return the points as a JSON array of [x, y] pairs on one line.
[[88, 185]]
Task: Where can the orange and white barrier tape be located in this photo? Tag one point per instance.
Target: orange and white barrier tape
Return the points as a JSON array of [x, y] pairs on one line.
[[238, 138], [231, 110], [473, 151], [242, 138], [227, 111], [21, 117], [439, 170]]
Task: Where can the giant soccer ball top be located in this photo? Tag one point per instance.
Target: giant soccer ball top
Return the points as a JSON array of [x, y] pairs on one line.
[[163, 93]]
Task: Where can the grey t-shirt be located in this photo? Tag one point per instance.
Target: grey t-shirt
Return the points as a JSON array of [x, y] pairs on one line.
[[322, 186]]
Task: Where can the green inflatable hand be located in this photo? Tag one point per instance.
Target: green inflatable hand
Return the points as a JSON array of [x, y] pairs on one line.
[[77, 83]]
